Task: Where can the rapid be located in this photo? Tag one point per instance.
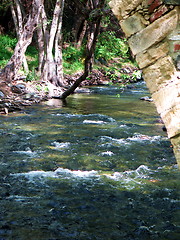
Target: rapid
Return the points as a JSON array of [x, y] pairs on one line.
[[98, 167]]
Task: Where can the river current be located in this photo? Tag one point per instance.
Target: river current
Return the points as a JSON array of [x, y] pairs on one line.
[[98, 167]]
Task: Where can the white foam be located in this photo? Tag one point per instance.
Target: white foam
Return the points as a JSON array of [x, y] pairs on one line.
[[58, 173], [128, 179], [119, 141], [28, 151], [108, 153], [93, 122], [67, 115], [141, 137], [90, 117], [141, 172], [61, 145], [35, 174], [76, 173], [123, 126], [100, 117], [132, 178], [19, 198]]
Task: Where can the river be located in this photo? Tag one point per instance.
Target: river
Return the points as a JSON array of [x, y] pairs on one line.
[[96, 168]]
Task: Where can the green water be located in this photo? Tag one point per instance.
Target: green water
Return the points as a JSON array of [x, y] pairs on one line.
[[98, 167]]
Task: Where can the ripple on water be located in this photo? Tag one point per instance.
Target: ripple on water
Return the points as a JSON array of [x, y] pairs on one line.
[[58, 173], [107, 140], [141, 172], [128, 179], [141, 137], [27, 151], [93, 122], [87, 118], [22, 199], [61, 145], [107, 153], [110, 140], [131, 179]]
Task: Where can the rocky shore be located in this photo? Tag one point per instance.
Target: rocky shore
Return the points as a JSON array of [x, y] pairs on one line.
[[17, 95]]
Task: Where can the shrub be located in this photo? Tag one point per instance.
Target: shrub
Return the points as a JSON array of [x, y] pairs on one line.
[[7, 45], [73, 59], [109, 47]]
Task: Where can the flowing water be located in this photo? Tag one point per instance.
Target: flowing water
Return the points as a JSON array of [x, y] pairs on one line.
[[96, 168]]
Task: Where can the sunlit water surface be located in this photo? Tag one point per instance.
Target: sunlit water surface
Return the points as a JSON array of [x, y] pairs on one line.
[[96, 168]]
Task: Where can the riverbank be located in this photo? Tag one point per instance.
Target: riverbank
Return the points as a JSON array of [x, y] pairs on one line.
[[21, 93]]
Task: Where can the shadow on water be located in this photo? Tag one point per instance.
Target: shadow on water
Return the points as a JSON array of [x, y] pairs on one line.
[[99, 167]]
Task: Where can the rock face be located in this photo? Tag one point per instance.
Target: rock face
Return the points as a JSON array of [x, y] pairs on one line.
[[152, 28]]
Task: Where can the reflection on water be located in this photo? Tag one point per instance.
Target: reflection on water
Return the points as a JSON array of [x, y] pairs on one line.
[[98, 167]]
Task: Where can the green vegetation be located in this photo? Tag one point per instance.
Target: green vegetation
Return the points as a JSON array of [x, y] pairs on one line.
[[73, 59], [32, 58], [111, 55], [7, 45], [32, 75], [109, 47]]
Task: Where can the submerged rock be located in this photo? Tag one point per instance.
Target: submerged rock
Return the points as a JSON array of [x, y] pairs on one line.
[[82, 90], [143, 231]]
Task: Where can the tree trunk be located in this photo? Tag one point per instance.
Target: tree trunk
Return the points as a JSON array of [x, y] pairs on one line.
[[52, 70], [41, 39], [94, 28], [10, 71], [58, 49], [18, 22], [81, 35]]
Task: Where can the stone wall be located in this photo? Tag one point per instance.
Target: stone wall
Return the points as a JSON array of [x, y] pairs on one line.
[[153, 31]]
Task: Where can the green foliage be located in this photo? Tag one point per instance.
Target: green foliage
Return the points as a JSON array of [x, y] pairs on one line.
[[32, 75], [39, 88], [137, 74], [31, 51], [7, 41], [72, 54], [72, 68], [33, 63], [112, 74], [111, 52], [32, 58], [125, 76], [105, 22], [109, 47], [73, 59], [7, 45], [4, 4]]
